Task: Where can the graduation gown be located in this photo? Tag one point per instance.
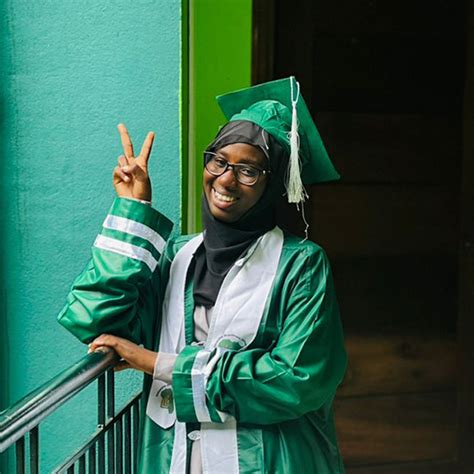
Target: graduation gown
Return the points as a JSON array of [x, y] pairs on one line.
[[279, 390]]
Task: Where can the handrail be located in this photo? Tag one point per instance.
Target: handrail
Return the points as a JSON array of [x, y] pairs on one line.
[[28, 412]]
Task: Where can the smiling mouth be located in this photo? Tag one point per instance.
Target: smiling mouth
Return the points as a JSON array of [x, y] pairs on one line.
[[223, 197]]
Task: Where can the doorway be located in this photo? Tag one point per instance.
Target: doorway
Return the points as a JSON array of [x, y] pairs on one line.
[[385, 83]]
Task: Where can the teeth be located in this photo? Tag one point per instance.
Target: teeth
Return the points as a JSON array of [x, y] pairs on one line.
[[223, 197]]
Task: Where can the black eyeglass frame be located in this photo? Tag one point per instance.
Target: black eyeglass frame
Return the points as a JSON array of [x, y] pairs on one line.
[[234, 168]]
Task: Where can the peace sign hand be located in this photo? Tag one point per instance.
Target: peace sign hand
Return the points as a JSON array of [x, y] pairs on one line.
[[130, 177]]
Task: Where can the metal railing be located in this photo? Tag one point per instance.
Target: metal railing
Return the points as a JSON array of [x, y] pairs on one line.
[[113, 446]]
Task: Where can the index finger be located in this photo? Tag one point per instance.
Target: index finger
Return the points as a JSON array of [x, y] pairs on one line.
[[126, 141], [146, 147]]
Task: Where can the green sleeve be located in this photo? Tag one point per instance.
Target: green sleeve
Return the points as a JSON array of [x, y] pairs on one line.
[[299, 374], [117, 292]]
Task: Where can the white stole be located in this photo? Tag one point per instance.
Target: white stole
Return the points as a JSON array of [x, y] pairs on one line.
[[237, 315]]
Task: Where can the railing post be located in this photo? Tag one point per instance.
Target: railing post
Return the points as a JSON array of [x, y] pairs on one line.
[[34, 450], [128, 443], [118, 446], [110, 415], [82, 464], [135, 420], [20, 455], [101, 421], [92, 459]]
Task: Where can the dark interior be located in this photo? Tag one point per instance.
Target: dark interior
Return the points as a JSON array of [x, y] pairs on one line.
[[385, 81]]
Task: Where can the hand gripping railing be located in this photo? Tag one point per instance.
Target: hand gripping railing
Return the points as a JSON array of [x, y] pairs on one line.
[[119, 431]]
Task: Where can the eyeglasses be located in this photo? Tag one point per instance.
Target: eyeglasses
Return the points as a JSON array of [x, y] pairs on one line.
[[217, 165]]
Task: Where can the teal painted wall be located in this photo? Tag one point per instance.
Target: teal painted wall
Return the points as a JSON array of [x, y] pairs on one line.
[[70, 72], [220, 61]]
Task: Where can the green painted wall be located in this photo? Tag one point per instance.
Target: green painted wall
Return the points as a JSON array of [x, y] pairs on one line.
[[220, 61], [70, 72]]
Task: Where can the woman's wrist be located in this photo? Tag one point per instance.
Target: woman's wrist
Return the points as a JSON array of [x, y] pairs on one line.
[[148, 362], [143, 201]]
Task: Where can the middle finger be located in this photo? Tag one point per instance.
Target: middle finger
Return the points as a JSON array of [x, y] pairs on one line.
[[147, 145], [122, 161]]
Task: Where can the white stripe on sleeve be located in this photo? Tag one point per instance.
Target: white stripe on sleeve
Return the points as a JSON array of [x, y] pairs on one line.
[[138, 229], [198, 382], [129, 250]]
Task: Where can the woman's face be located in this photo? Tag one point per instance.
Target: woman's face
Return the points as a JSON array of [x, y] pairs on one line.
[[228, 199]]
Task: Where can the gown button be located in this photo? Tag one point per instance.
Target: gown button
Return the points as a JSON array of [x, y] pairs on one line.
[[194, 435]]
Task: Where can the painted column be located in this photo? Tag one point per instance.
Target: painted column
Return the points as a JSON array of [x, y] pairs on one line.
[[220, 61]]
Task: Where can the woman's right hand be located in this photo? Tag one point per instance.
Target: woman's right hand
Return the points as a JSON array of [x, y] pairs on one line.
[[131, 175]]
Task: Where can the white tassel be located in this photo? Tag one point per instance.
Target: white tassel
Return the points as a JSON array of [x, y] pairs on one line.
[[294, 185]]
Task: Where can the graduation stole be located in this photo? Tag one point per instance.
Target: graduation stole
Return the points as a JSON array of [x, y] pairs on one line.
[[236, 318]]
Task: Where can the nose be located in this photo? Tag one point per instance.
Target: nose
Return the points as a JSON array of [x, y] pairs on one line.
[[228, 178]]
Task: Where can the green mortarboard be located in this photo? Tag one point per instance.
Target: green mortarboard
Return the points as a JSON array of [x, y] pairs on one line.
[[278, 108]]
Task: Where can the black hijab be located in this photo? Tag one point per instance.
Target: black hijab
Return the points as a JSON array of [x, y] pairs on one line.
[[225, 242]]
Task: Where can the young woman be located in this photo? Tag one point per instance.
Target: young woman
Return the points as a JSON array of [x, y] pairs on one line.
[[242, 340]]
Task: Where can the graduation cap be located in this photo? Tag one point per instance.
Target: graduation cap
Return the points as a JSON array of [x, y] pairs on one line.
[[279, 108]]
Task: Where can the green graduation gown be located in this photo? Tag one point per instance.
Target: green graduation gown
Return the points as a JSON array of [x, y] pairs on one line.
[[279, 389]]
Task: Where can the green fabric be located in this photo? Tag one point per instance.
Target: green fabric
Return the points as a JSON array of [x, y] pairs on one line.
[[280, 389], [116, 294], [143, 213], [269, 106], [182, 384], [131, 239], [306, 363]]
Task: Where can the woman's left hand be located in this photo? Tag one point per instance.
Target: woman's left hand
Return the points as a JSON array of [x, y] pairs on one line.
[[132, 355]]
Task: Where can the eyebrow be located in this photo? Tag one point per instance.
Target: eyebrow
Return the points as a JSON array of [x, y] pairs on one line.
[[246, 160]]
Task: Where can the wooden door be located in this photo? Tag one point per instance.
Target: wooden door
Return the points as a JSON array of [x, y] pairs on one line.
[[466, 267], [384, 80]]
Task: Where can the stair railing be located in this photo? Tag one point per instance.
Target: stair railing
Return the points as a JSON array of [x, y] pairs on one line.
[[113, 446]]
